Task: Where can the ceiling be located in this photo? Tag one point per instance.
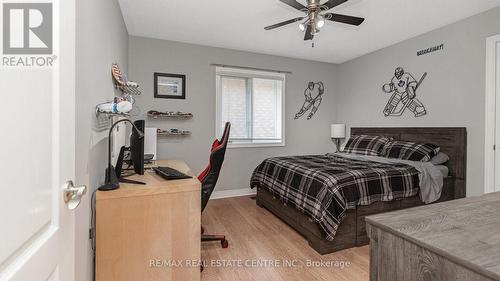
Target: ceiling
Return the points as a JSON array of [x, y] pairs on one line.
[[239, 24]]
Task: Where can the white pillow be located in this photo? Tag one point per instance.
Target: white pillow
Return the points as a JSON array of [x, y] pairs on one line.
[[440, 159]]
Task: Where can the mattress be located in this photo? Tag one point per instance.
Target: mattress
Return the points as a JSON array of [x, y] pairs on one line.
[[325, 186]]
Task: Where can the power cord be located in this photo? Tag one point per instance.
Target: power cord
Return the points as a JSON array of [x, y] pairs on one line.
[[92, 231]]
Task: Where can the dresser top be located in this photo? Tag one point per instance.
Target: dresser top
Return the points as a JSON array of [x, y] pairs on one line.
[[154, 183], [465, 231]]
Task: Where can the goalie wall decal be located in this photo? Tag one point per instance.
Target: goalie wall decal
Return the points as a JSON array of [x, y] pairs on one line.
[[313, 97], [403, 87]]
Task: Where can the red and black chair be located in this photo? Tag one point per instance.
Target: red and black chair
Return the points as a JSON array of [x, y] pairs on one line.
[[208, 179]]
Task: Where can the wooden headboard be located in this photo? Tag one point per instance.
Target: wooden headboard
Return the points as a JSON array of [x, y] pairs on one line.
[[453, 142]]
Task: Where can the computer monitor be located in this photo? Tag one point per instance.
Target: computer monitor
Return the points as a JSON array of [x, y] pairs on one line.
[[137, 148]]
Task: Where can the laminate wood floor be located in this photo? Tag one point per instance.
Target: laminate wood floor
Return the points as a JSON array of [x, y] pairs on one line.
[[262, 247]]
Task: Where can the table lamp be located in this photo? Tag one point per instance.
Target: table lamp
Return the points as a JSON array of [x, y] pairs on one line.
[[111, 181], [337, 133]]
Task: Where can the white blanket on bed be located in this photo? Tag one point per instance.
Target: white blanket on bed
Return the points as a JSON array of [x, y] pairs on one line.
[[431, 178]]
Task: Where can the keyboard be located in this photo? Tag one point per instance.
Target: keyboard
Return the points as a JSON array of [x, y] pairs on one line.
[[170, 173]]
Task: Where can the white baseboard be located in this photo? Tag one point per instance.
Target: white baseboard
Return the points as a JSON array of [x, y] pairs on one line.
[[232, 193]]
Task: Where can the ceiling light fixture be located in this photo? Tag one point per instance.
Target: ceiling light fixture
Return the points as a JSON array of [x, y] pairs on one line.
[[320, 23], [315, 15]]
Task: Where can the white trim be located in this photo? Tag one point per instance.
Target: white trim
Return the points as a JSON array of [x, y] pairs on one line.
[[241, 72], [225, 71], [233, 193], [218, 110], [490, 113], [255, 145]]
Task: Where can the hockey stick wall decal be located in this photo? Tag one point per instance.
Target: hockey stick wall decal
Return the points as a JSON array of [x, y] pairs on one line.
[[404, 91], [313, 98]]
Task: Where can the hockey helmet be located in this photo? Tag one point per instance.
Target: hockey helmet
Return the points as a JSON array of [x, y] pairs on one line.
[[399, 72]]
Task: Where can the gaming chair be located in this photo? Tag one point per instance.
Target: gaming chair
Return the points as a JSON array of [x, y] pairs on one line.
[[208, 179]]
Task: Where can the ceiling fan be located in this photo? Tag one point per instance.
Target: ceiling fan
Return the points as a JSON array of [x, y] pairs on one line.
[[316, 14]]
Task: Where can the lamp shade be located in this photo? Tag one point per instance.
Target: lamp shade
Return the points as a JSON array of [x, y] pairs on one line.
[[338, 131]]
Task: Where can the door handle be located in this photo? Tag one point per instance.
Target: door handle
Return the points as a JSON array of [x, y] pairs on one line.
[[73, 194]]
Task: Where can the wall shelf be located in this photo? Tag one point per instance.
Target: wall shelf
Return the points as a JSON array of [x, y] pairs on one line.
[[110, 114], [163, 133], [170, 115]]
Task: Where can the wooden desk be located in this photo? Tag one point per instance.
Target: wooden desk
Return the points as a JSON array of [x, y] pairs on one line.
[[455, 240], [141, 225]]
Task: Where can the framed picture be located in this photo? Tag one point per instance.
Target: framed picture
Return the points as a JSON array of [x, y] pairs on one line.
[[170, 86]]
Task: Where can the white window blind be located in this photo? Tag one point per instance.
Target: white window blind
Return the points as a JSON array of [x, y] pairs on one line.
[[253, 102]]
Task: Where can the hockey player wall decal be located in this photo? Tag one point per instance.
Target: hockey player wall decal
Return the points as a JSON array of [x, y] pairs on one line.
[[313, 97], [404, 90]]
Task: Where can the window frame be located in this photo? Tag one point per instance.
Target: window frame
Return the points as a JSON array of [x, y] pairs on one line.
[[248, 74]]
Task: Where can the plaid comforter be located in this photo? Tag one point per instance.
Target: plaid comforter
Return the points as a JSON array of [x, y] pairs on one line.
[[325, 186]]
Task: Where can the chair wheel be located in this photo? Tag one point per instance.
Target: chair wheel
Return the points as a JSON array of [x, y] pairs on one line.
[[224, 243]]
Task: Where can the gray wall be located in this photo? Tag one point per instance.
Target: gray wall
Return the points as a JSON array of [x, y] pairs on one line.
[[147, 56], [453, 92], [101, 39]]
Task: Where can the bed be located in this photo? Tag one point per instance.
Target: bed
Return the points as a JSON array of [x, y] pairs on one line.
[[349, 231]]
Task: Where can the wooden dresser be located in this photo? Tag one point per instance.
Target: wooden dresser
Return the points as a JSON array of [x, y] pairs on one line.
[[149, 232], [455, 240]]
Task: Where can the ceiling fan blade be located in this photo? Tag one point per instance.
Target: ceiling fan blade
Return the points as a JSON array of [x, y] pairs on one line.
[[344, 19], [333, 3], [294, 4], [309, 35], [283, 23]]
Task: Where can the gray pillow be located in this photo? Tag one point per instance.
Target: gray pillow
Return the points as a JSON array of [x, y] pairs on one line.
[[440, 159], [410, 151], [366, 145]]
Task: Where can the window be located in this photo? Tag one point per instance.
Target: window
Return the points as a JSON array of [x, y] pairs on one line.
[[253, 102]]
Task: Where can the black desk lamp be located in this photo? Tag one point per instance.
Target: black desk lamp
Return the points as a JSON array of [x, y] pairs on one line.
[[112, 182]]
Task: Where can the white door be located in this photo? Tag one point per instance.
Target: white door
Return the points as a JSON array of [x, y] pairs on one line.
[[496, 76], [492, 126], [495, 58], [37, 140]]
